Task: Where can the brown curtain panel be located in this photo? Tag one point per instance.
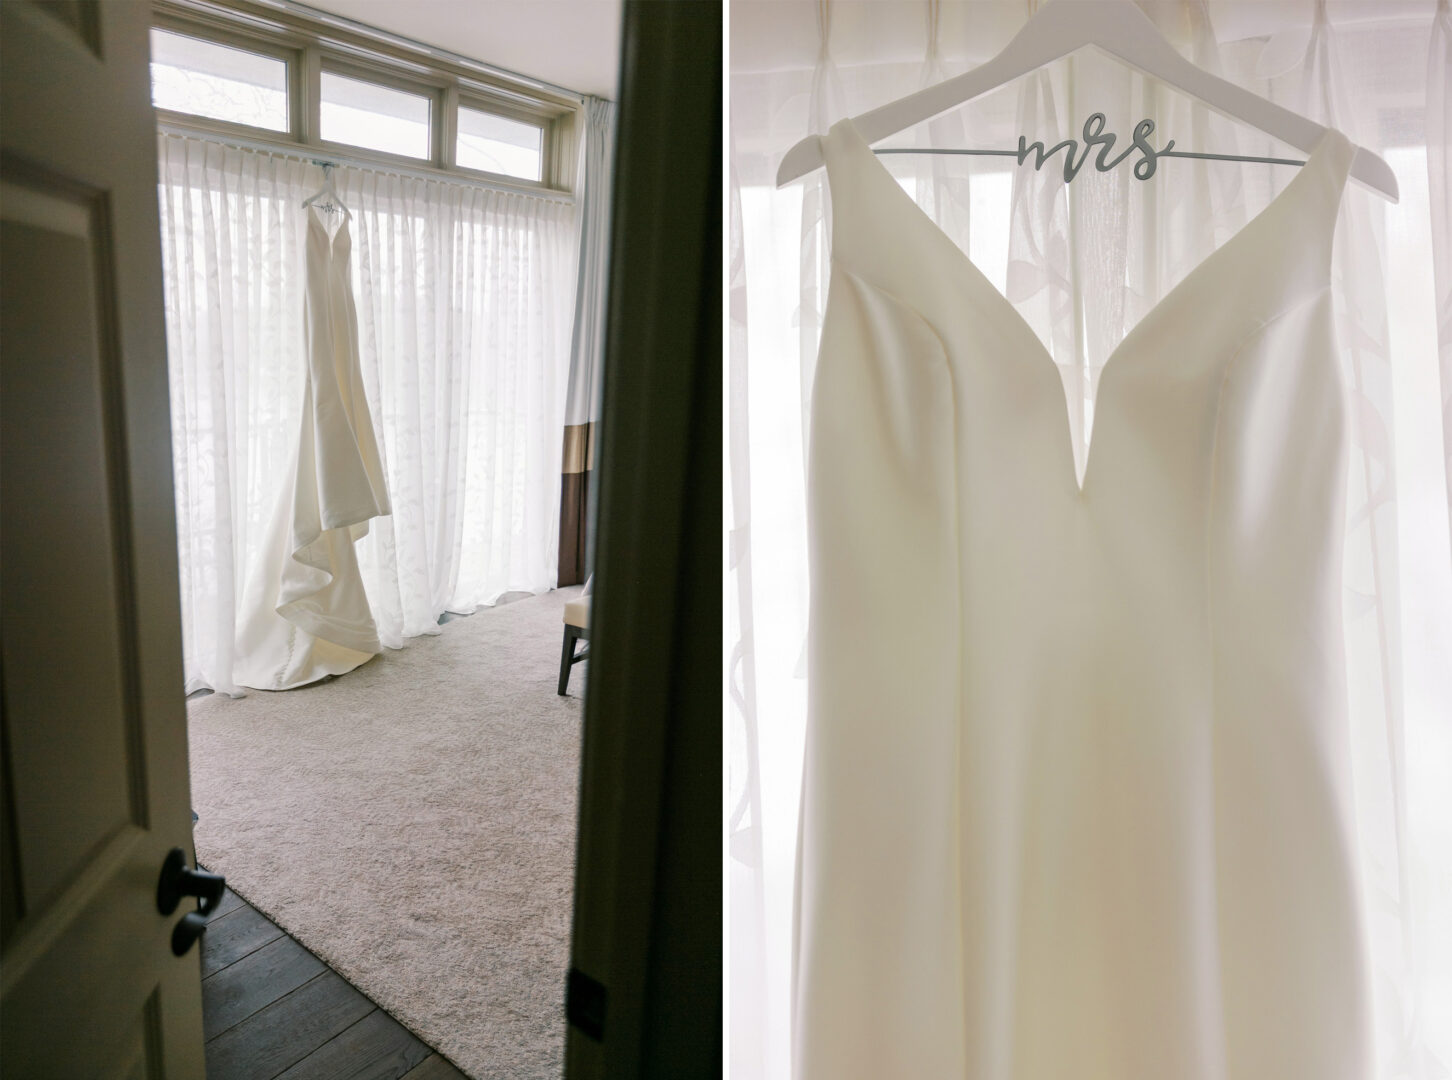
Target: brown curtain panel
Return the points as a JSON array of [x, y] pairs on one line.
[[578, 469]]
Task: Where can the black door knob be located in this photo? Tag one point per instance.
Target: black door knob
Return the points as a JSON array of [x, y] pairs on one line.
[[178, 880], [191, 927]]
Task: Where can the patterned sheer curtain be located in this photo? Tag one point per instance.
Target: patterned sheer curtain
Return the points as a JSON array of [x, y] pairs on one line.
[[1083, 262], [465, 297]]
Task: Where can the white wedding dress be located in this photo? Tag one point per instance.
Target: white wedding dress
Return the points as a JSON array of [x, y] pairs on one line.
[[1076, 789], [305, 612]]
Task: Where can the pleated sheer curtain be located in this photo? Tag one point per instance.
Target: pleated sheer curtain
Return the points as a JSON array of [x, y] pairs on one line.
[[465, 300], [1083, 262]]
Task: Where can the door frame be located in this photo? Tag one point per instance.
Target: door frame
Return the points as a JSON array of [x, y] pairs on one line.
[[645, 993]]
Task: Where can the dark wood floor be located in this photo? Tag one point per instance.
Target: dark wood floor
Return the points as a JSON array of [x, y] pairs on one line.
[[271, 1009]]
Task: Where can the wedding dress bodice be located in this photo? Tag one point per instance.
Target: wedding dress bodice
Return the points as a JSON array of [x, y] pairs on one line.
[[1076, 789]]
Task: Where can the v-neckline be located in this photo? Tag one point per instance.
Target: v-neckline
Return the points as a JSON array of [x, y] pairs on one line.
[[1040, 350], [315, 217]]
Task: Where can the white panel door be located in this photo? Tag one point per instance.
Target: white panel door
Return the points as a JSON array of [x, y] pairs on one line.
[[94, 768]]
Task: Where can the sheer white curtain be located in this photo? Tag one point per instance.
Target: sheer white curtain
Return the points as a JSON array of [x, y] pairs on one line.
[[1083, 262], [465, 296], [587, 347]]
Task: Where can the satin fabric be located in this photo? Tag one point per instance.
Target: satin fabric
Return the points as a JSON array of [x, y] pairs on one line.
[[305, 612], [1076, 795]]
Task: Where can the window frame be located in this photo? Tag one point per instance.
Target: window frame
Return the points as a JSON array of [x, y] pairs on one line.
[[533, 117], [310, 47], [432, 92], [289, 53]]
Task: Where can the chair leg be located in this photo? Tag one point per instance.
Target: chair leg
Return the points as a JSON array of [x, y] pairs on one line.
[[567, 658]]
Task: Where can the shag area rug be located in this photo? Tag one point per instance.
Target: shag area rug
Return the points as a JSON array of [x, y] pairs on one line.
[[413, 823]]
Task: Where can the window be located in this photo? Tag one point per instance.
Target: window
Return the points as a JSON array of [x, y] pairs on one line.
[[291, 81], [217, 81], [497, 144], [375, 117]]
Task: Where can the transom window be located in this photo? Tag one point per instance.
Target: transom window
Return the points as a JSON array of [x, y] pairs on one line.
[[377, 117], [290, 79], [497, 144], [203, 78]]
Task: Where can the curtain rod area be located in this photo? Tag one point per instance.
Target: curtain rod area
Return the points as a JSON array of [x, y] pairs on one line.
[[317, 155], [353, 36], [365, 30]]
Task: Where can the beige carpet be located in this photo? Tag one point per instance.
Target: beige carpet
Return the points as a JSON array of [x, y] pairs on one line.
[[413, 823]]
